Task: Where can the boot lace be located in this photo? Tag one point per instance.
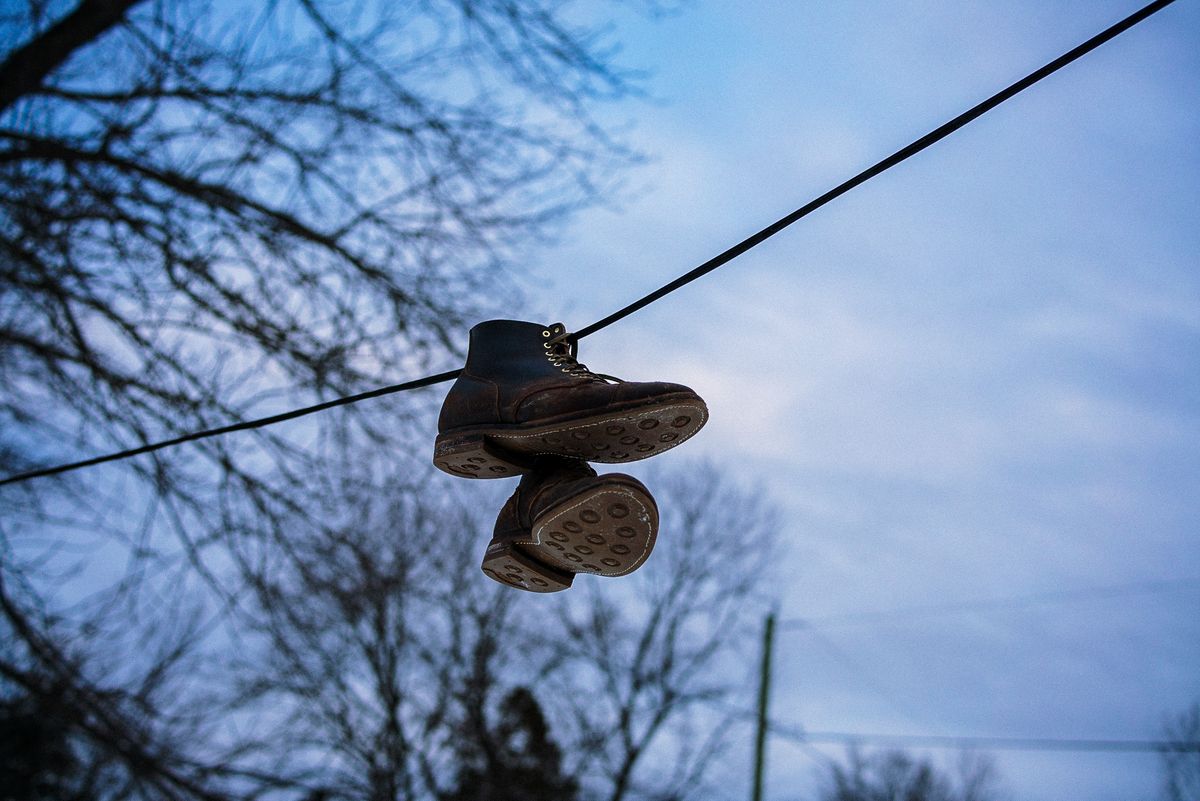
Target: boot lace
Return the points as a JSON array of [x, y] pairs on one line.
[[561, 349]]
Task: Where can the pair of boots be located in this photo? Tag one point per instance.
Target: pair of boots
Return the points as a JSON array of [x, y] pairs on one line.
[[524, 406]]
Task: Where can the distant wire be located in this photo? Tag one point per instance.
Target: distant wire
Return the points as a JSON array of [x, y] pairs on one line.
[[991, 605], [800, 735], [925, 141]]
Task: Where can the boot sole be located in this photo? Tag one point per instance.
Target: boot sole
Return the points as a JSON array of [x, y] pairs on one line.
[[507, 565], [609, 531], [612, 437]]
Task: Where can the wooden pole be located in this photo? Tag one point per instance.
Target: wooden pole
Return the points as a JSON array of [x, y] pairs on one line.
[[764, 691]]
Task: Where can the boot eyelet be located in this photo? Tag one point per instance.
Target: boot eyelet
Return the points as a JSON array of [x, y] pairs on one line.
[[546, 334], [546, 345]]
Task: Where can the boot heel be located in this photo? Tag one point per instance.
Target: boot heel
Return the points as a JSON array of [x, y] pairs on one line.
[[507, 565], [471, 456]]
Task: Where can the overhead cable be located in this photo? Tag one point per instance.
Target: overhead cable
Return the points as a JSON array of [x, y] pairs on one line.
[[800, 735], [936, 135], [904, 153], [229, 429]]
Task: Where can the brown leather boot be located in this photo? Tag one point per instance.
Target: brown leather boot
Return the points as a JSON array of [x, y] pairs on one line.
[[522, 394], [564, 519]]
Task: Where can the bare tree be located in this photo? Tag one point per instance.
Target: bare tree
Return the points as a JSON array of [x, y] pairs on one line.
[[217, 210], [892, 775], [1181, 755], [514, 760], [643, 673], [393, 665], [378, 651], [214, 210], [107, 723]]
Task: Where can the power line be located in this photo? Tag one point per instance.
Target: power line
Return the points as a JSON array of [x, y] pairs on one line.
[[229, 429], [800, 735], [903, 154], [992, 604]]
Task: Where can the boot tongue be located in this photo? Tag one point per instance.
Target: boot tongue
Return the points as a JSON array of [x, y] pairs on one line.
[[567, 348]]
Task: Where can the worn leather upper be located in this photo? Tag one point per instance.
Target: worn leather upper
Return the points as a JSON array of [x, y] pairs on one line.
[[515, 373]]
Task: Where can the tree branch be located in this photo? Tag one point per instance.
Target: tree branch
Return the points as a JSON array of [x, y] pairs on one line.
[[27, 66]]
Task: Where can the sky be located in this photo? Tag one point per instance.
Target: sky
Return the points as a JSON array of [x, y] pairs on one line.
[[972, 379], [971, 385]]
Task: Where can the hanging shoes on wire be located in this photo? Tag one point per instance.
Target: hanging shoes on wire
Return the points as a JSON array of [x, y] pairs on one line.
[[522, 394], [523, 405]]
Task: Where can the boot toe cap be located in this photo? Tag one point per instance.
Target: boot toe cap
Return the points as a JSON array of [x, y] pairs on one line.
[[649, 391]]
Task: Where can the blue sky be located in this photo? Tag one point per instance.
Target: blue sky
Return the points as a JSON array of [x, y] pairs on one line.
[[973, 378]]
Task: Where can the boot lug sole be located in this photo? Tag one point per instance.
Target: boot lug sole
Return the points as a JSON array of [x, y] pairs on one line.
[[472, 455], [505, 563], [609, 532], [608, 438]]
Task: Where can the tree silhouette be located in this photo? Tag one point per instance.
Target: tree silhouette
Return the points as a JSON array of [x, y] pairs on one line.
[[646, 672], [390, 662], [1181, 755], [216, 210], [36, 760], [898, 776], [516, 761], [209, 211]]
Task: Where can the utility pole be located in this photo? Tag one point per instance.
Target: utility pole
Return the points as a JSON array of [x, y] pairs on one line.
[[764, 691]]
